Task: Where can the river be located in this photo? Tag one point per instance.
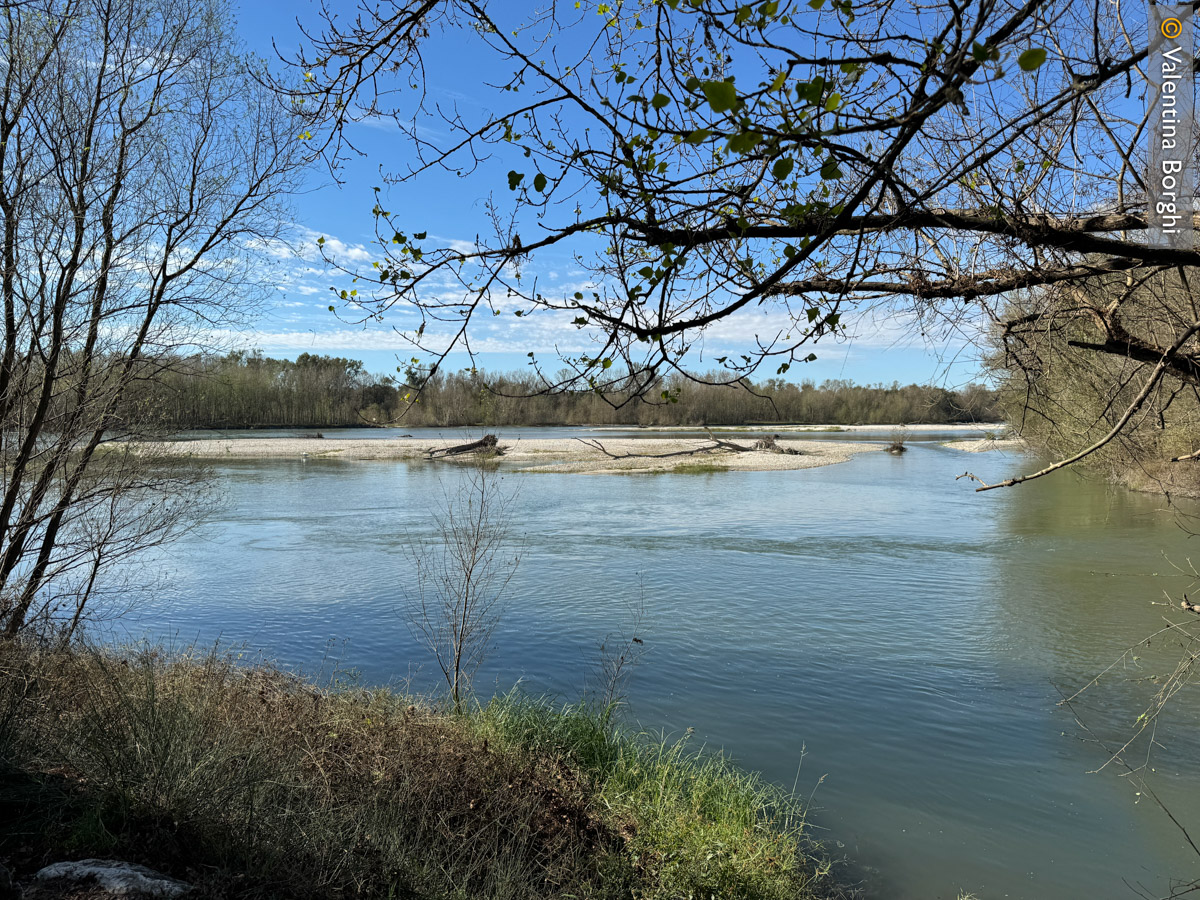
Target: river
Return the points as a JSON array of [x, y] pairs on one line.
[[874, 632]]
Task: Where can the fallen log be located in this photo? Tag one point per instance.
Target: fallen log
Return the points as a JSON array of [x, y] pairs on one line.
[[488, 444], [718, 445]]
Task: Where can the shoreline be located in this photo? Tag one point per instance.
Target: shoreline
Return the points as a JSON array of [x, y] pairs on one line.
[[986, 445], [672, 452], [372, 792], [632, 455], [761, 427]]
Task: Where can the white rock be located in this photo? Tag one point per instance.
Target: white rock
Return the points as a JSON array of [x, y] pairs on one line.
[[121, 879]]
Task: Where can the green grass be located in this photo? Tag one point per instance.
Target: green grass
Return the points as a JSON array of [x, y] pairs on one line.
[[257, 783], [677, 469], [698, 469]]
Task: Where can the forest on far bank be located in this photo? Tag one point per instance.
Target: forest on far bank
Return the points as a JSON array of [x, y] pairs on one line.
[[250, 390]]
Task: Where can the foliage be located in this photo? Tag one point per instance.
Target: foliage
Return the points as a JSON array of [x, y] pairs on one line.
[[261, 784], [248, 390]]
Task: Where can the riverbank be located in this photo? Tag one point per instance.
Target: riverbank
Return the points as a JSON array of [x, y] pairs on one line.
[[600, 456], [252, 782], [985, 445]]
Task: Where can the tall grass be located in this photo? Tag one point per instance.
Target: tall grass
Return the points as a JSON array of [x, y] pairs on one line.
[[256, 782]]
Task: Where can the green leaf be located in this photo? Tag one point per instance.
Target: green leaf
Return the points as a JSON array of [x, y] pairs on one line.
[[658, 101], [1031, 59], [698, 136], [539, 182], [745, 142], [606, 363], [833, 102], [811, 91], [782, 167], [816, 4], [721, 95], [514, 179], [780, 81], [419, 235], [830, 171]]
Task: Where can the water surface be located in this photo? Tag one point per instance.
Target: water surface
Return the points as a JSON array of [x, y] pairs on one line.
[[874, 626]]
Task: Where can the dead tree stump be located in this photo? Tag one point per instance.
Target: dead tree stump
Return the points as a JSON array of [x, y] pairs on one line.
[[488, 444]]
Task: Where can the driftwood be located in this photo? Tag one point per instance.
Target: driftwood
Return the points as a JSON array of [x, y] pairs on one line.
[[488, 444], [596, 445], [771, 445], [768, 444]]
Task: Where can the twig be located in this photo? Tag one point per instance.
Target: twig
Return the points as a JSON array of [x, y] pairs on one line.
[[1141, 782]]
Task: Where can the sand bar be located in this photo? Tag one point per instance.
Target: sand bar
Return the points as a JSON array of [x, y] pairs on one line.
[[618, 456], [1010, 445]]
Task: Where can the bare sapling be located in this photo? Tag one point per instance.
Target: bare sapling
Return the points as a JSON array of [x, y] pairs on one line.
[[620, 652], [462, 576]]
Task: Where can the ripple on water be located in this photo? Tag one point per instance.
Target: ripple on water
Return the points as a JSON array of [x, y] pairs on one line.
[[903, 635]]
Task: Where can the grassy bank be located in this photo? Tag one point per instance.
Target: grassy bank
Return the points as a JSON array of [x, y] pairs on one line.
[[253, 782]]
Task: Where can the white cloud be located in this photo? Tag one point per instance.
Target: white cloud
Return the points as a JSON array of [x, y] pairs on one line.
[[303, 275]]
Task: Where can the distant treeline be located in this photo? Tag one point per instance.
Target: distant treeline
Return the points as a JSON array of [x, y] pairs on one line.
[[248, 390]]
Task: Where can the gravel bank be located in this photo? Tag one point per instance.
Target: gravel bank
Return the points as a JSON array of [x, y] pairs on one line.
[[1011, 445], [541, 455]]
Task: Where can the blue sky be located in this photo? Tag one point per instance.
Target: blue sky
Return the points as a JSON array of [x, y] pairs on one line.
[[451, 209]]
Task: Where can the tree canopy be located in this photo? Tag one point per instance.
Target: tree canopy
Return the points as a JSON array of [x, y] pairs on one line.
[[781, 168]]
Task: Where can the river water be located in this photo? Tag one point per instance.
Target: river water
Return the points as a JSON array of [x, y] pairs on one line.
[[875, 633]]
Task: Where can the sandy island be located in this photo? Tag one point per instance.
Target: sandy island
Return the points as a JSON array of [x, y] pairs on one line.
[[648, 455], [1011, 445]]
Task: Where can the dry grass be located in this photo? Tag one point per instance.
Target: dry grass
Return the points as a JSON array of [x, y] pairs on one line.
[[253, 782]]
